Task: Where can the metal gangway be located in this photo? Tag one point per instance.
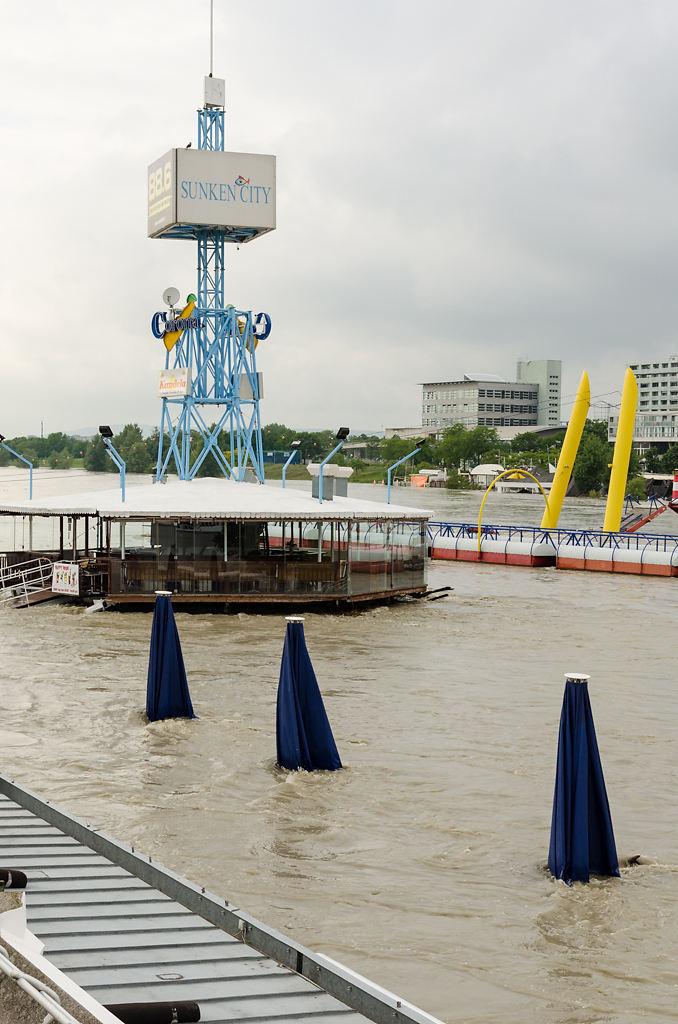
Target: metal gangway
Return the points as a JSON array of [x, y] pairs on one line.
[[22, 582]]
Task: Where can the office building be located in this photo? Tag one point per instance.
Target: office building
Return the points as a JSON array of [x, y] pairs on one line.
[[481, 400]]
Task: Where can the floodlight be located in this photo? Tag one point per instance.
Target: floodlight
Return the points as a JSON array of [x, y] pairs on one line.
[[295, 444], [2, 438], [343, 433], [105, 431]]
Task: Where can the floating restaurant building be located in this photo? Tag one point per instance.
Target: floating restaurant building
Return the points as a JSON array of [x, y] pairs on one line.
[[212, 542], [233, 540]]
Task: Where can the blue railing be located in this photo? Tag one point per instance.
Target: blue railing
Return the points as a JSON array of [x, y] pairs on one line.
[[575, 537]]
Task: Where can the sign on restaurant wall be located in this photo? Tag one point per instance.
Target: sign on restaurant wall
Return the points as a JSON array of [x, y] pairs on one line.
[[175, 383], [209, 188], [66, 578]]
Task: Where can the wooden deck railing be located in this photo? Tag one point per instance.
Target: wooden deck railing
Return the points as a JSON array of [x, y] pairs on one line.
[[255, 576]]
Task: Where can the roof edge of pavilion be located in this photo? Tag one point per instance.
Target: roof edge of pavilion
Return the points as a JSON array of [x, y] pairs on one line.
[[211, 498]]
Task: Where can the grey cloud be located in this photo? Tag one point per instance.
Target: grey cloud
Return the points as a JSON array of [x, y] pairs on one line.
[[458, 186]]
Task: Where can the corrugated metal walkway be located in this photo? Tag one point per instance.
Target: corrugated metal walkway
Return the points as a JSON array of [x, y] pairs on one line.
[[124, 940]]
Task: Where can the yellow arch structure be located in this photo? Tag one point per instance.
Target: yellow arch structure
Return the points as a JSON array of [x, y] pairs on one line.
[[507, 472]]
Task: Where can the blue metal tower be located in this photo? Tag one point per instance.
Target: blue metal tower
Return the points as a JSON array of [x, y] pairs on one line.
[[218, 343]]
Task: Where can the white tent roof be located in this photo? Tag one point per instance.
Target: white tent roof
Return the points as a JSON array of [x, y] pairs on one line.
[[210, 498], [486, 469]]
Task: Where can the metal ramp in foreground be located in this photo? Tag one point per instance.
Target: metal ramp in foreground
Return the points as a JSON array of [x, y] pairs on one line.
[[25, 583], [129, 931]]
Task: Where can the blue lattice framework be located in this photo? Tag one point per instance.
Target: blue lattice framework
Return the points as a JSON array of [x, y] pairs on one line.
[[222, 357]]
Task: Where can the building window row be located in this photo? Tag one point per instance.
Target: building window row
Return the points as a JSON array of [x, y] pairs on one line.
[[502, 407], [503, 421], [504, 393]]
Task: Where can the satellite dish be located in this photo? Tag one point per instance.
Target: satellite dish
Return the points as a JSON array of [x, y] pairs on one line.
[[170, 296]]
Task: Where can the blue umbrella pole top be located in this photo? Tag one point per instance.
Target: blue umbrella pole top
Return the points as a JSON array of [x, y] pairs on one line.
[[167, 693], [303, 735], [582, 840]]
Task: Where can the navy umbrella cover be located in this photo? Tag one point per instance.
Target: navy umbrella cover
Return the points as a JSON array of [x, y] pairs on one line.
[[167, 693], [303, 735], [582, 839]]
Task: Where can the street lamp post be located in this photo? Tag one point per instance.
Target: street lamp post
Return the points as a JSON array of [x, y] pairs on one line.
[[106, 435], [394, 466], [342, 434], [295, 446]]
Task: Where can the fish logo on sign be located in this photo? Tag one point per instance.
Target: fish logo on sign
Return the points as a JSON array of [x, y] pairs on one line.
[[242, 181]]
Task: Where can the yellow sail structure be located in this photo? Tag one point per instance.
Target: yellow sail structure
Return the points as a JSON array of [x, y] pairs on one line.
[[622, 454], [568, 454]]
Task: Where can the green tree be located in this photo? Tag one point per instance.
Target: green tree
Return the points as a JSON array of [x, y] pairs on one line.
[[652, 460], [56, 442], [315, 445], [276, 436], [479, 442], [23, 446], [60, 459], [96, 459], [637, 488], [528, 442], [669, 460], [429, 453], [129, 444], [597, 428], [452, 447], [591, 467], [395, 448]]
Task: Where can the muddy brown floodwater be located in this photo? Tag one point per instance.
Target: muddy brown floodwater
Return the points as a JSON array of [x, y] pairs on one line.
[[422, 865]]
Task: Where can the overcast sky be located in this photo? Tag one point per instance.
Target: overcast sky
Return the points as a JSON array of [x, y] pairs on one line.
[[459, 186]]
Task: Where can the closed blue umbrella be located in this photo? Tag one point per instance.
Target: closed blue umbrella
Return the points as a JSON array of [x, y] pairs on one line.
[[582, 840], [167, 693], [303, 734]]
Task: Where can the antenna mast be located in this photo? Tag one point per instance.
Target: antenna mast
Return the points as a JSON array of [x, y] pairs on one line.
[[211, 36]]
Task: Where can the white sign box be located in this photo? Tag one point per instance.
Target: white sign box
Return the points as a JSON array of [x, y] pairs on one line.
[[175, 382], [66, 578], [189, 189], [245, 390]]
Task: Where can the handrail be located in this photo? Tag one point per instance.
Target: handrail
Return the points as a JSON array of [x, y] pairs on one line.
[[37, 990], [34, 566], [30, 577], [7, 567]]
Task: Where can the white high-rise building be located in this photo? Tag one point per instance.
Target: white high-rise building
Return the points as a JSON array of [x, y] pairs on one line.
[[657, 414], [546, 373]]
